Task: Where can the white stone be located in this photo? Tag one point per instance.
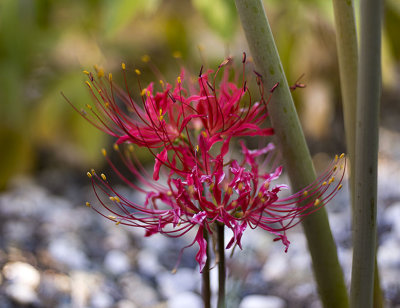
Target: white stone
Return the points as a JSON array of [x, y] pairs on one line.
[[22, 293], [184, 300], [184, 279], [117, 262], [147, 263], [101, 300], [136, 290], [262, 301], [22, 273], [66, 250]]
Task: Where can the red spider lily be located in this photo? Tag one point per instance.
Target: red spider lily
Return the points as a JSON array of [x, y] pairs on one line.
[[234, 194], [188, 129], [169, 122]]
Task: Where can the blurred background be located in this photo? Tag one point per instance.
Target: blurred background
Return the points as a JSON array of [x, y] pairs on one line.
[[46, 147]]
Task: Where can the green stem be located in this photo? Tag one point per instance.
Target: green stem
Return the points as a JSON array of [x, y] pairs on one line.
[[206, 289], [368, 97], [221, 266], [347, 49], [298, 163]]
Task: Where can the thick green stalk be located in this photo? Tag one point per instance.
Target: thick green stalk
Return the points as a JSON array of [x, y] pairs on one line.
[[346, 43], [347, 49], [298, 163], [368, 97], [221, 266]]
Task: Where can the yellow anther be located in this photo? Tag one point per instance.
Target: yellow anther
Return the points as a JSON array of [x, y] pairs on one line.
[[89, 175], [197, 148], [204, 133], [148, 93], [162, 83], [179, 79], [116, 199], [100, 72], [112, 217], [266, 185], [324, 183], [161, 115], [240, 186], [88, 84], [191, 189], [103, 176], [334, 168], [332, 179], [336, 158], [110, 77], [177, 54], [234, 204], [317, 202], [212, 186], [117, 223], [107, 104], [342, 155], [305, 193], [86, 72], [87, 204], [237, 214], [137, 72], [89, 107], [116, 147], [339, 187], [262, 200], [143, 93], [169, 193], [145, 58], [104, 152], [99, 91], [260, 194], [229, 191], [123, 65], [93, 171]]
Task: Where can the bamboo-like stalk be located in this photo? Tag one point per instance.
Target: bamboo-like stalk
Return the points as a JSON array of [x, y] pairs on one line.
[[368, 97], [297, 159], [347, 49], [221, 266]]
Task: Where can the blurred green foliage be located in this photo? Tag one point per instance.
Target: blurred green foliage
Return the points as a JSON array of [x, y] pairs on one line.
[[45, 45]]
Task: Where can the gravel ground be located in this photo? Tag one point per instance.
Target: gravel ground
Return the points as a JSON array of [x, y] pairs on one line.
[[55, 252]]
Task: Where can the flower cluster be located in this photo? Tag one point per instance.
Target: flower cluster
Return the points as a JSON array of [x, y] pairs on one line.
[[190, 130]]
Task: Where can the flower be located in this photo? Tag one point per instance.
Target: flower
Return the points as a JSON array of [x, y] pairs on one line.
[[237, 195], [189, 131], [169, 121]]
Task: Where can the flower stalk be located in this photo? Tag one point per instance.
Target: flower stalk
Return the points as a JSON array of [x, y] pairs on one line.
[[366, 165], [347, 49], [206, 287], [290, 138], [221, 266]]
